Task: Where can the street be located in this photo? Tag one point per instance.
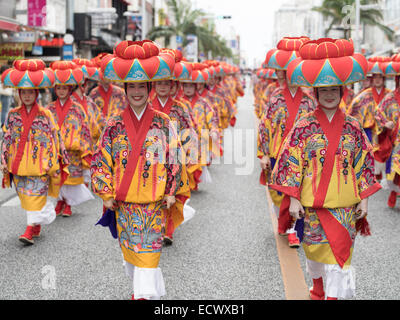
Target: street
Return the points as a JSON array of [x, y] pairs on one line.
[[228, 251]]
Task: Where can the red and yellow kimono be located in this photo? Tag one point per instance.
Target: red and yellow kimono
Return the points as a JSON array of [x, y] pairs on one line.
[[95, 118], [187, 134], [389, 140], [283, 111], [109, 103], [363, 109], [138, 163], [348, 96], [75, 133], [329, 168], [387, 110], [34, 155]]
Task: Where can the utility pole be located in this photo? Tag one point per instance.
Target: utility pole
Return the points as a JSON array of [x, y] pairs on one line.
[[144, 20], [357, 35]]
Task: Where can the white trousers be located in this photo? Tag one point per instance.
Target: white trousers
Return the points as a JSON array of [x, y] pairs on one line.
[[75, 195], [148, 283], [339, 283], [44, 216]]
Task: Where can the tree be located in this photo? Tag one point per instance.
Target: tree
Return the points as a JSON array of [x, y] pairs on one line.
[[333, 9], [186, 21]]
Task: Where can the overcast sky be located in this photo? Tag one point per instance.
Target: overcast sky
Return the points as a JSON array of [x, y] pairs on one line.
[[253, 20]]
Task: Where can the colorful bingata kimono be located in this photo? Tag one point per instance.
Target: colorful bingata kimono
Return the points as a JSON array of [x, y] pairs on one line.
[[363, 108], [266, 97], [138, 163], [283, 111], [348, 96], [109, 103], [388, 110], [329, 168], [94, 117], [34, 155], [75, 132], [187, 134]]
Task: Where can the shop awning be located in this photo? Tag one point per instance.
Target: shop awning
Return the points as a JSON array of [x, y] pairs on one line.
[[8, 24]]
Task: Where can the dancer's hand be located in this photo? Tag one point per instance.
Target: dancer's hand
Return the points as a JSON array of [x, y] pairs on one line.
[[169, 201], [265, 163], [110, 204], [389, 125], [362, 209], [296, 210]]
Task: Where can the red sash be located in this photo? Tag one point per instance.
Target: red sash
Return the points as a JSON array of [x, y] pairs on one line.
[[137, 132], [157, 105], [337, 235], [292, 104], [82, 101], [62, 111], [378, 97], [204, 93], [27, 120], [106, 95], [194, 100]]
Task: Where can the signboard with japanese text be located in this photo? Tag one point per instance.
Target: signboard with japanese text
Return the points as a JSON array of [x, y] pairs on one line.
[[11, 51]]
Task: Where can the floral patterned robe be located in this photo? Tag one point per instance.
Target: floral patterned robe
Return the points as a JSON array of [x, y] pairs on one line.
[[300, 172], [138, 170], [43, 161]]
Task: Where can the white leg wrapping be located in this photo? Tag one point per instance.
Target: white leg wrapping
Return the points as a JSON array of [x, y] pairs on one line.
[[44, 216], [188, 212], [339, 283], [75, 195], [148, 283]]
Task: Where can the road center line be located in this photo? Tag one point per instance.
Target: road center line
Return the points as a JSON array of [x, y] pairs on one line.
[[292, 274]]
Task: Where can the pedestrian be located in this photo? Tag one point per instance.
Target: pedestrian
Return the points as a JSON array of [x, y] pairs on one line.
[[75, 132], [6, 95], [326, 167], [137, 169], [33, 156], [285, 106]]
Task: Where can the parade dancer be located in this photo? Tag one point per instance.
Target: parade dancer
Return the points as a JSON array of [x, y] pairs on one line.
[[203, 114], [137, 169], [75, 132], [326, 167], [109, 98], [187, 136], [387, 129], [33, 156], [286, 105]]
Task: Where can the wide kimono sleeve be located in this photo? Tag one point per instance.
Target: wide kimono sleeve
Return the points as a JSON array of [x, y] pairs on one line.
[[263, 137], [363, 165], [287, 175], [59, 172], [102, 165], [175, 163], [5, 149]]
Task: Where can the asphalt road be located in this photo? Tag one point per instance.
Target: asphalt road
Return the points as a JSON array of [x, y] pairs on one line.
[[227, 251]]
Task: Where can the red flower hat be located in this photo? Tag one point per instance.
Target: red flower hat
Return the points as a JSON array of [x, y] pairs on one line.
[[327, 62], [67, 73], [28, 74], [138, 61]]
